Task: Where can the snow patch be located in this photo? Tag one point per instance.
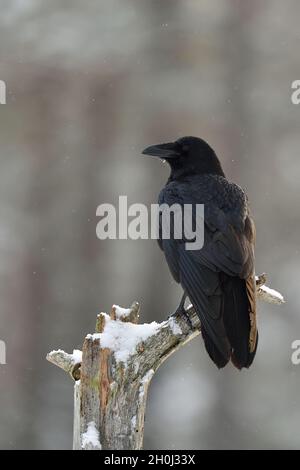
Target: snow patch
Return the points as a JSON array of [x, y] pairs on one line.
[[147, 377], [56, 351], [90, 439], [121, 312], [145, 381], [176, 330], [272, 293], [77, 356], [123, 338]]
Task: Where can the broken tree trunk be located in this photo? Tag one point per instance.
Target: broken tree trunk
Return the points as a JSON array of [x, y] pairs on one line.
[[113, 373]]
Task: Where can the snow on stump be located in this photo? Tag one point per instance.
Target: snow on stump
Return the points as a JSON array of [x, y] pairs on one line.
[[115, 368]]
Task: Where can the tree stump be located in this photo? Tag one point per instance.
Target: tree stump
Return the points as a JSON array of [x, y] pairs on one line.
[[114, 371]]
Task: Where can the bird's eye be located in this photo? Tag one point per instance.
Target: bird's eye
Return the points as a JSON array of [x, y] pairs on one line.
[[185, 148]]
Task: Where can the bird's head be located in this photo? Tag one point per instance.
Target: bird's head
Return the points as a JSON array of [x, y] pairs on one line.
[[187, 155]]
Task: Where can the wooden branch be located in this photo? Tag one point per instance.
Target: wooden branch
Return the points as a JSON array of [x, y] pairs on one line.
[[70, 363], [117, 365]]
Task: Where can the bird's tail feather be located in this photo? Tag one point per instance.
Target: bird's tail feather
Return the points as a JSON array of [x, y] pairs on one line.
[[237, 320], [202, 287], [226, 308], [216, 356]]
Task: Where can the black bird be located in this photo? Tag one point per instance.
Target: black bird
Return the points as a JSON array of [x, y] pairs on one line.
[[219, 278]]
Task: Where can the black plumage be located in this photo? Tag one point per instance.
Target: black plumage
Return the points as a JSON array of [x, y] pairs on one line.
[[218, 278]]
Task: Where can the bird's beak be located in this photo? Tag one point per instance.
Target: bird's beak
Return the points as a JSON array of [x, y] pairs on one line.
[[164, 151]]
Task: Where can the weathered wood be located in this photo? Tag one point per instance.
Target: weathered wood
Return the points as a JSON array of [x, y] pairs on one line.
[[118, 363], [70, 363], [76, 425]]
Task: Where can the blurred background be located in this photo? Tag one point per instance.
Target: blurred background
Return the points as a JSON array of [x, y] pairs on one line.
[[89, 85]]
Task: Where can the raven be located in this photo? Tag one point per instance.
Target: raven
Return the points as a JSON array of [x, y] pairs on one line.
[[219, 278]]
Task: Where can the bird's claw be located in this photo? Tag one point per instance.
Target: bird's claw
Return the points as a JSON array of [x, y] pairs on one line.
[[187, 318], [183, 313]]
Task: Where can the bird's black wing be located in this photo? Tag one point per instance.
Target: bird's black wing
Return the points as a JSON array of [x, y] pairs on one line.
[[217, 277]]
